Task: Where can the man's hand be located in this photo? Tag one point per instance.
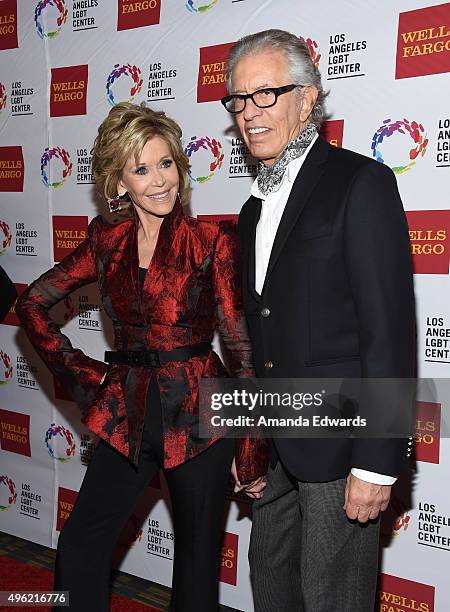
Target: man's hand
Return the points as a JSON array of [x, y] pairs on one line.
[[364, 500], [253, 489]]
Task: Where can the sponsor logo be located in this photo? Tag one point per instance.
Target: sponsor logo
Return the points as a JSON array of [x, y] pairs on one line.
[[333, 132], [423, 42], [5, 237], [211, 83], [428, 431], [68, 91], [429, 234], [200, 6], [160, 540], [433, 528], [26, 240], [68, 233], [57, 154], [397, 594], [56, 15], [415, 130], [12, 318], [66, 502], [21, 99], [132, 72], [53, 435], [401, 523], [214, 157], [229, 558], [3, 97], [6, 369], [437, 340], [84, 167], [8, 492], [26, 373], [8, 24], [80, 18], [131, 14], [241, 163], [344, 57], [29, 500], [160, 82], [313, 49], [443, 144], [15, 432], [87, 448], [11, 169]]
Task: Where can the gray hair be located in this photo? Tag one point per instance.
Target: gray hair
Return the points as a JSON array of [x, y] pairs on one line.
[[301, 67]]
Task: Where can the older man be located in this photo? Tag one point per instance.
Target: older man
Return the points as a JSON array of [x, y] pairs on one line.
[[328, 292]]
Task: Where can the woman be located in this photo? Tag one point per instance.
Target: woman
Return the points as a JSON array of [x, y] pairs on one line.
[[166, 281]]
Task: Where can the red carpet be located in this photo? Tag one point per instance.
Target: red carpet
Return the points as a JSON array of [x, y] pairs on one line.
[[18, 576]]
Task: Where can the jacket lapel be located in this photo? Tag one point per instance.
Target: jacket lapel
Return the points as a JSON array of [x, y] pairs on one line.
[[307, 178], [251, 264]]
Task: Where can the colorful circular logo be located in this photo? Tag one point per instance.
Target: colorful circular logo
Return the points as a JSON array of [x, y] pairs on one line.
[[131, 71], [65, 172], [59, 430], [12, 497], [61, 18], [3, 97], [5, 240], [6, 370], [213, 147], [313, 49], [200, 6], [416, 132], [401, 523]]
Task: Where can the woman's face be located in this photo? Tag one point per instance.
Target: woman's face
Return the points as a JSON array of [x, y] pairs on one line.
[[153, 182]]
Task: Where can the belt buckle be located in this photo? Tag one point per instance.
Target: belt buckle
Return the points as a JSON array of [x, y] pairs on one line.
[[135, 358], [152, 359]]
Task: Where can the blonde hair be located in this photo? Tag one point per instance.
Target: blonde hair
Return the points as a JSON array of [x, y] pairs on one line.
[[125, 132]]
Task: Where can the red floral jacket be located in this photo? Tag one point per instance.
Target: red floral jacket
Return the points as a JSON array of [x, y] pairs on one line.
[[191, 288]]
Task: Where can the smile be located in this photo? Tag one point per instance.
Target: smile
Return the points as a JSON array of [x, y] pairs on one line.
[[258, 130], [159, 196]]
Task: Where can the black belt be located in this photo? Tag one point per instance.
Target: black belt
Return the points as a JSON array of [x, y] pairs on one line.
[[154, 359]]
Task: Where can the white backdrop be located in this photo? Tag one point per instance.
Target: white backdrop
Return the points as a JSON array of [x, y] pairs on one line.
[[63, 64]]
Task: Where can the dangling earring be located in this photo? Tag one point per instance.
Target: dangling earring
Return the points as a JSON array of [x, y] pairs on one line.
[[179, 197], [115, 204]]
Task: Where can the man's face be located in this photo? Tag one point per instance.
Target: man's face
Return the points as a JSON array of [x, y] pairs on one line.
[[268, 131]]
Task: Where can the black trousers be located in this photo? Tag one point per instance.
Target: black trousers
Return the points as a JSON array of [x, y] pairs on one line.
[[111, 487]]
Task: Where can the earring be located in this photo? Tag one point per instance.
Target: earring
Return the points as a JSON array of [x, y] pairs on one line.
[[115, 204], [179, 197]]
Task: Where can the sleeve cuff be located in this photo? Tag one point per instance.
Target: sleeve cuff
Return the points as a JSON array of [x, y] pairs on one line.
[[373, 477]]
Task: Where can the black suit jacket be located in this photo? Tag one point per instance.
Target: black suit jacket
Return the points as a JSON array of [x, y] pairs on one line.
[[339, 289]]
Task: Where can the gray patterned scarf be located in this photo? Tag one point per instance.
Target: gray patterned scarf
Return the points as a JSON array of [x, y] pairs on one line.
[[270, 177]]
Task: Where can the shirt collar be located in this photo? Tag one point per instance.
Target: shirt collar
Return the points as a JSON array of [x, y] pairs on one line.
[[292, 169]]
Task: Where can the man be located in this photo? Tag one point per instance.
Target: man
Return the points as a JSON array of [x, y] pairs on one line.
[[328, 293]]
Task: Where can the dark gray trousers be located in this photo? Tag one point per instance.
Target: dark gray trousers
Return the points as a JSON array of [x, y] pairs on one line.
[[305, 555]]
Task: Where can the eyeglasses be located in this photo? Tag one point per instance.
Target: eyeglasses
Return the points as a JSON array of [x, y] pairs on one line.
[[263, 98]]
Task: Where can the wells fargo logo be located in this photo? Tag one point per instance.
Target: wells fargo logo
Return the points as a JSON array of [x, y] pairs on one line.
[[11, 169], [12, 318], [333, 132], [8, 24], [8, 492], [428, 431], [131, 14], [429, 234], [423, 43], [401, 595], [66, 502], [68, 233], [48, 21], [415, 130], [15, 432], [53, 435], [211, 84], [229, 558], [68, 91]]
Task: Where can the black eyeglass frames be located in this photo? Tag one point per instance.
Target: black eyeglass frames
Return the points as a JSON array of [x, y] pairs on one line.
[[262, 98]]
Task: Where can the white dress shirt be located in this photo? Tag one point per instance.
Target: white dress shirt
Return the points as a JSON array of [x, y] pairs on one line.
[[272, 208]]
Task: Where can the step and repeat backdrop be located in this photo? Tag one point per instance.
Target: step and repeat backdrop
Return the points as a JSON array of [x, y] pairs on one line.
[[64, 64]]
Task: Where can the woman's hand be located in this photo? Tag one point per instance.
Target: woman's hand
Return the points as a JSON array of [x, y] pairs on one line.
[[253, 489]]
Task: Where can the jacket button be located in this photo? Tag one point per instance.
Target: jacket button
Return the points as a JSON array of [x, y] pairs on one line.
[[268, 365], [265, 312]]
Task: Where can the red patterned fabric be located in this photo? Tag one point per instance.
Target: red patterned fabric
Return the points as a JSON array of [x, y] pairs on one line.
[[191, 288]]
